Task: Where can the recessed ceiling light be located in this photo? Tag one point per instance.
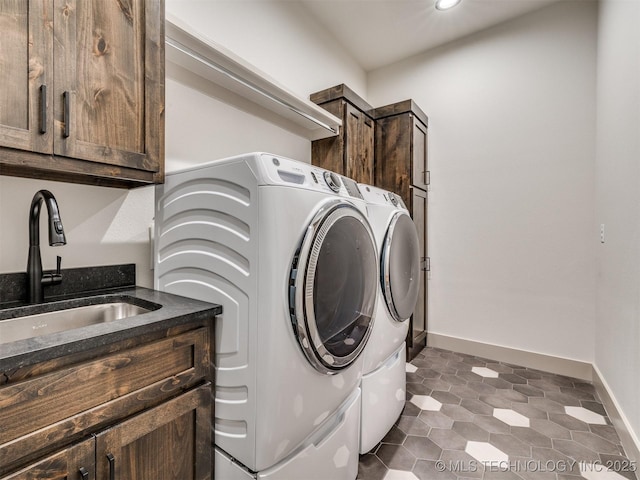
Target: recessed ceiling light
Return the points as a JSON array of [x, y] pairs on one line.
[[446, 4]]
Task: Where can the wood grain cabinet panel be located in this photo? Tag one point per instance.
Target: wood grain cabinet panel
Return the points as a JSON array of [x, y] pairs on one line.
[[102, 117], [69, 464], [26, 74], [169, 442], [351, 153], [401, 153]]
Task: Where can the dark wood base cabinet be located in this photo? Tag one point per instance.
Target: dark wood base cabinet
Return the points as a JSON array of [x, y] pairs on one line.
[[130, 411]]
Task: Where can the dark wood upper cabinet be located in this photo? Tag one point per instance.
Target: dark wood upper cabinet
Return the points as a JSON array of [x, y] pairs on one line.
[[91, 108], [351, 153]]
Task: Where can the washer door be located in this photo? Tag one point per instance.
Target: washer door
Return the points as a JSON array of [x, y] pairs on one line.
[[332, 287], [400, 267]]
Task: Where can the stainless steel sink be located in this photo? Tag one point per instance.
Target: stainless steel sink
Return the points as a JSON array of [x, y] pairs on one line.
[[30, 326]]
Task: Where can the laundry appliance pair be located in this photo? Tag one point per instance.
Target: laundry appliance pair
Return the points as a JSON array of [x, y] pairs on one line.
[[288, 251]]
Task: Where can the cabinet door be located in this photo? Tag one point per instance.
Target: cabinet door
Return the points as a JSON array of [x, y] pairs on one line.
[[418, 329], [26, 74], [419, 154], [328, 152], [393, 169], [74, 463], [367, 139], [169, 442], [359, 139], [109, 78]]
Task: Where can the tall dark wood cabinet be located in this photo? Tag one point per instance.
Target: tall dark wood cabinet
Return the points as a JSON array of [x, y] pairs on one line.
[[401, 166], [350, 153], [83, 91]]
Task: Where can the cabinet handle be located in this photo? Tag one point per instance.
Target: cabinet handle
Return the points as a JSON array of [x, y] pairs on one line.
[[426, 175], [112, 466], [43, 109], [84, 475], [67, 114]]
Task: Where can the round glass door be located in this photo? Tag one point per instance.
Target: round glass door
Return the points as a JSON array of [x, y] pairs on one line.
[[333, 287], [400, 267]]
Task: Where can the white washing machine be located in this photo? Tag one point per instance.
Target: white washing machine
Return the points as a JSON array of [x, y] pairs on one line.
[[287, 250], [384, 378]]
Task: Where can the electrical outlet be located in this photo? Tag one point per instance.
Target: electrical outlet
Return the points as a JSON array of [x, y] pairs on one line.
[[602, 233]]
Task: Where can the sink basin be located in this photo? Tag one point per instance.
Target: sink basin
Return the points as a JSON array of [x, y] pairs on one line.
[[29, 326]]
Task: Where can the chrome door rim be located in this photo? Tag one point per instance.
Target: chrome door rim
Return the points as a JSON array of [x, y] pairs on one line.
[[385, 268], [302, 282]]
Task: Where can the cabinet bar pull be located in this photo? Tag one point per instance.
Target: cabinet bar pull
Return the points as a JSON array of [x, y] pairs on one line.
[[427, 177], [112, 466], [67, 114], [84, 474], [43, 108]]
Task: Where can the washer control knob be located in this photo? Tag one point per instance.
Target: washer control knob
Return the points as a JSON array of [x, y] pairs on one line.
[[394, 200], [333, 181]]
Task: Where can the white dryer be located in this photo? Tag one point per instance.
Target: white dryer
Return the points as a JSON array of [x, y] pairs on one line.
[[384, 377], [287, 250]]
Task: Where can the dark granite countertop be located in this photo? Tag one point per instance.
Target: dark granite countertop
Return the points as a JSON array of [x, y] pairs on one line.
[[174, 311]]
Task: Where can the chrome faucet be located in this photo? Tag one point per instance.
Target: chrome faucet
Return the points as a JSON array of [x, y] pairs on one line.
[[36, 281]]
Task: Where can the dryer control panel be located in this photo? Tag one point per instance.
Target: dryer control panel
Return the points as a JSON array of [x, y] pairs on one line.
[[378, 196]]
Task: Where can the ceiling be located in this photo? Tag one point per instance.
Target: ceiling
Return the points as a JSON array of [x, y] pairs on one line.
[[380, 32]]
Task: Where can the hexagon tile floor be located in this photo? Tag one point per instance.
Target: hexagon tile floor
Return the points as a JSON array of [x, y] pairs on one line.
[[472, 418]]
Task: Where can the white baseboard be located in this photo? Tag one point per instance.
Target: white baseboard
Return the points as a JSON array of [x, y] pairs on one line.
[[550, 363], [629, 439], [539, 361]]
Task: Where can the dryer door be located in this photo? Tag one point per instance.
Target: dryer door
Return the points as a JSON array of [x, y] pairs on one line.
[[332, 287], [400, 266]]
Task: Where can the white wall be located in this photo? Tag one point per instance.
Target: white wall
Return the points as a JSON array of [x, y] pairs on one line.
[[201, 127], [617, 345], [511, 212], [103, 226], [278, 37], [108, 226]]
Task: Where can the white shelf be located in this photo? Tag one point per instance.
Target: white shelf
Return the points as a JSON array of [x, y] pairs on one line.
[[199, 55]]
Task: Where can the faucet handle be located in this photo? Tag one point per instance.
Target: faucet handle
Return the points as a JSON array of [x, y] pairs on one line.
[[53, 278]]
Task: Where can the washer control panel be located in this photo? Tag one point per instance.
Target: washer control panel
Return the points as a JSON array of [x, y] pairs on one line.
[[285, 171]]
